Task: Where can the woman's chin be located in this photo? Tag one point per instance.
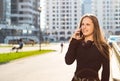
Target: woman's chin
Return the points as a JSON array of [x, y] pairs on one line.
[[87, 35]]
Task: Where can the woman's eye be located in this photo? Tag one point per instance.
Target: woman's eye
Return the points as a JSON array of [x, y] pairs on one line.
[[87, 24], [82, 24]]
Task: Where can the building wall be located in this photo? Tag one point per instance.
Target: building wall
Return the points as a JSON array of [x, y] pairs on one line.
[[20, 18], [108, 13], [62, 17], [5, 11], [1, 10], [25, 12]]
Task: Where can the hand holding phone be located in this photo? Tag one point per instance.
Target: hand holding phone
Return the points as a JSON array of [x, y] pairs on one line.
[[81, 33], [77, 34]]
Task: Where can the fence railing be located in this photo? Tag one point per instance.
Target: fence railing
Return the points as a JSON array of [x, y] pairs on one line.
[[116, 49]]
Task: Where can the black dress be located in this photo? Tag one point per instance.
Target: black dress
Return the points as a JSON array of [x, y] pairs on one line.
[[88, 58]]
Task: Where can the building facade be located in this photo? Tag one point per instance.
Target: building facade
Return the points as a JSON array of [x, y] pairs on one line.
[[5, 12], [62, 17], [108, 13], [19, 19], [5, 9]]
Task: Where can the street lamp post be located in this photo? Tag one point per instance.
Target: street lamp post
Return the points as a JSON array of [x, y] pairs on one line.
[[40, 9], [46, 34], [64, 27]]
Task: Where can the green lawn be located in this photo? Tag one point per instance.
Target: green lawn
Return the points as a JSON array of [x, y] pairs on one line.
[[6, 57]]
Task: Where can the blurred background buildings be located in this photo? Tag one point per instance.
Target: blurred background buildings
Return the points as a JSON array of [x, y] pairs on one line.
[[63, 16], [21, 18], [108, 12]]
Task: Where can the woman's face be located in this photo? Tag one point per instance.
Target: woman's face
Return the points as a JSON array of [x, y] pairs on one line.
[[87, 27]]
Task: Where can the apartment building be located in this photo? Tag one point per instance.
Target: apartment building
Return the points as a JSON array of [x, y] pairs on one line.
[[5, 11], [25, 12], [108, 13], [62, 17], [20, 19]]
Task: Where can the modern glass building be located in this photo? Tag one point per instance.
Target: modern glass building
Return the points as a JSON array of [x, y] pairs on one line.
[[19, 19]]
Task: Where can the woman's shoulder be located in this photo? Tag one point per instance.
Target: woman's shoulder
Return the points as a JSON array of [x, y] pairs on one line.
[[75, 41]]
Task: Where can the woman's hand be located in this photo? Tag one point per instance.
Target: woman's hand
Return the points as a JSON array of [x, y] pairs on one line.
[[76, 34]]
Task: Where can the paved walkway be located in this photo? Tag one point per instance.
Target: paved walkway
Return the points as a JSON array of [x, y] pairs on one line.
[[47, 67]]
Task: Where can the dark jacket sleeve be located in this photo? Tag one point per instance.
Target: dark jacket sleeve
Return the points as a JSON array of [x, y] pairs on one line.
[[71, 52], [106, 70]]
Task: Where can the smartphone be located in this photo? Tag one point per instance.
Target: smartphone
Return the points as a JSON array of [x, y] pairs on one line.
[[81, 33]]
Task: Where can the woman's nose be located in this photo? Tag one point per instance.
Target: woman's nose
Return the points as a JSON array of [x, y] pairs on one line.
[[83, 27]]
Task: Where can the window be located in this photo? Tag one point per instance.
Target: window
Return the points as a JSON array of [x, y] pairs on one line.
[[21, 18], [21, 12], [62, 33], [19, 0]]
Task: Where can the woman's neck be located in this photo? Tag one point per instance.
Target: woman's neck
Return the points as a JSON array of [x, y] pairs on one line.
[[88, 38]]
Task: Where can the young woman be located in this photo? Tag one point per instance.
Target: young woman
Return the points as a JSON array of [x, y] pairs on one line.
[[90, 50]]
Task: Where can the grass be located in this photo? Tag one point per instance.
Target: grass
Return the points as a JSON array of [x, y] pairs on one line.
[[6, 57]]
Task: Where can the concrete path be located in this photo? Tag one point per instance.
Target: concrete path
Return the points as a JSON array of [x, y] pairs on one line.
[[47, 67]]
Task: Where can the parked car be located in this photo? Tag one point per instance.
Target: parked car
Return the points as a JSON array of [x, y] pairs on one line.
[[29, 41], [25, 41], [14, 41]]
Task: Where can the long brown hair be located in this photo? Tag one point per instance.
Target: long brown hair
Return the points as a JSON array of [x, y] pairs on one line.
[[98, 38]]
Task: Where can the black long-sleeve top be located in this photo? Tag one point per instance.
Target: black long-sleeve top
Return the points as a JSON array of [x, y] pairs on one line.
[[87, 57]]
